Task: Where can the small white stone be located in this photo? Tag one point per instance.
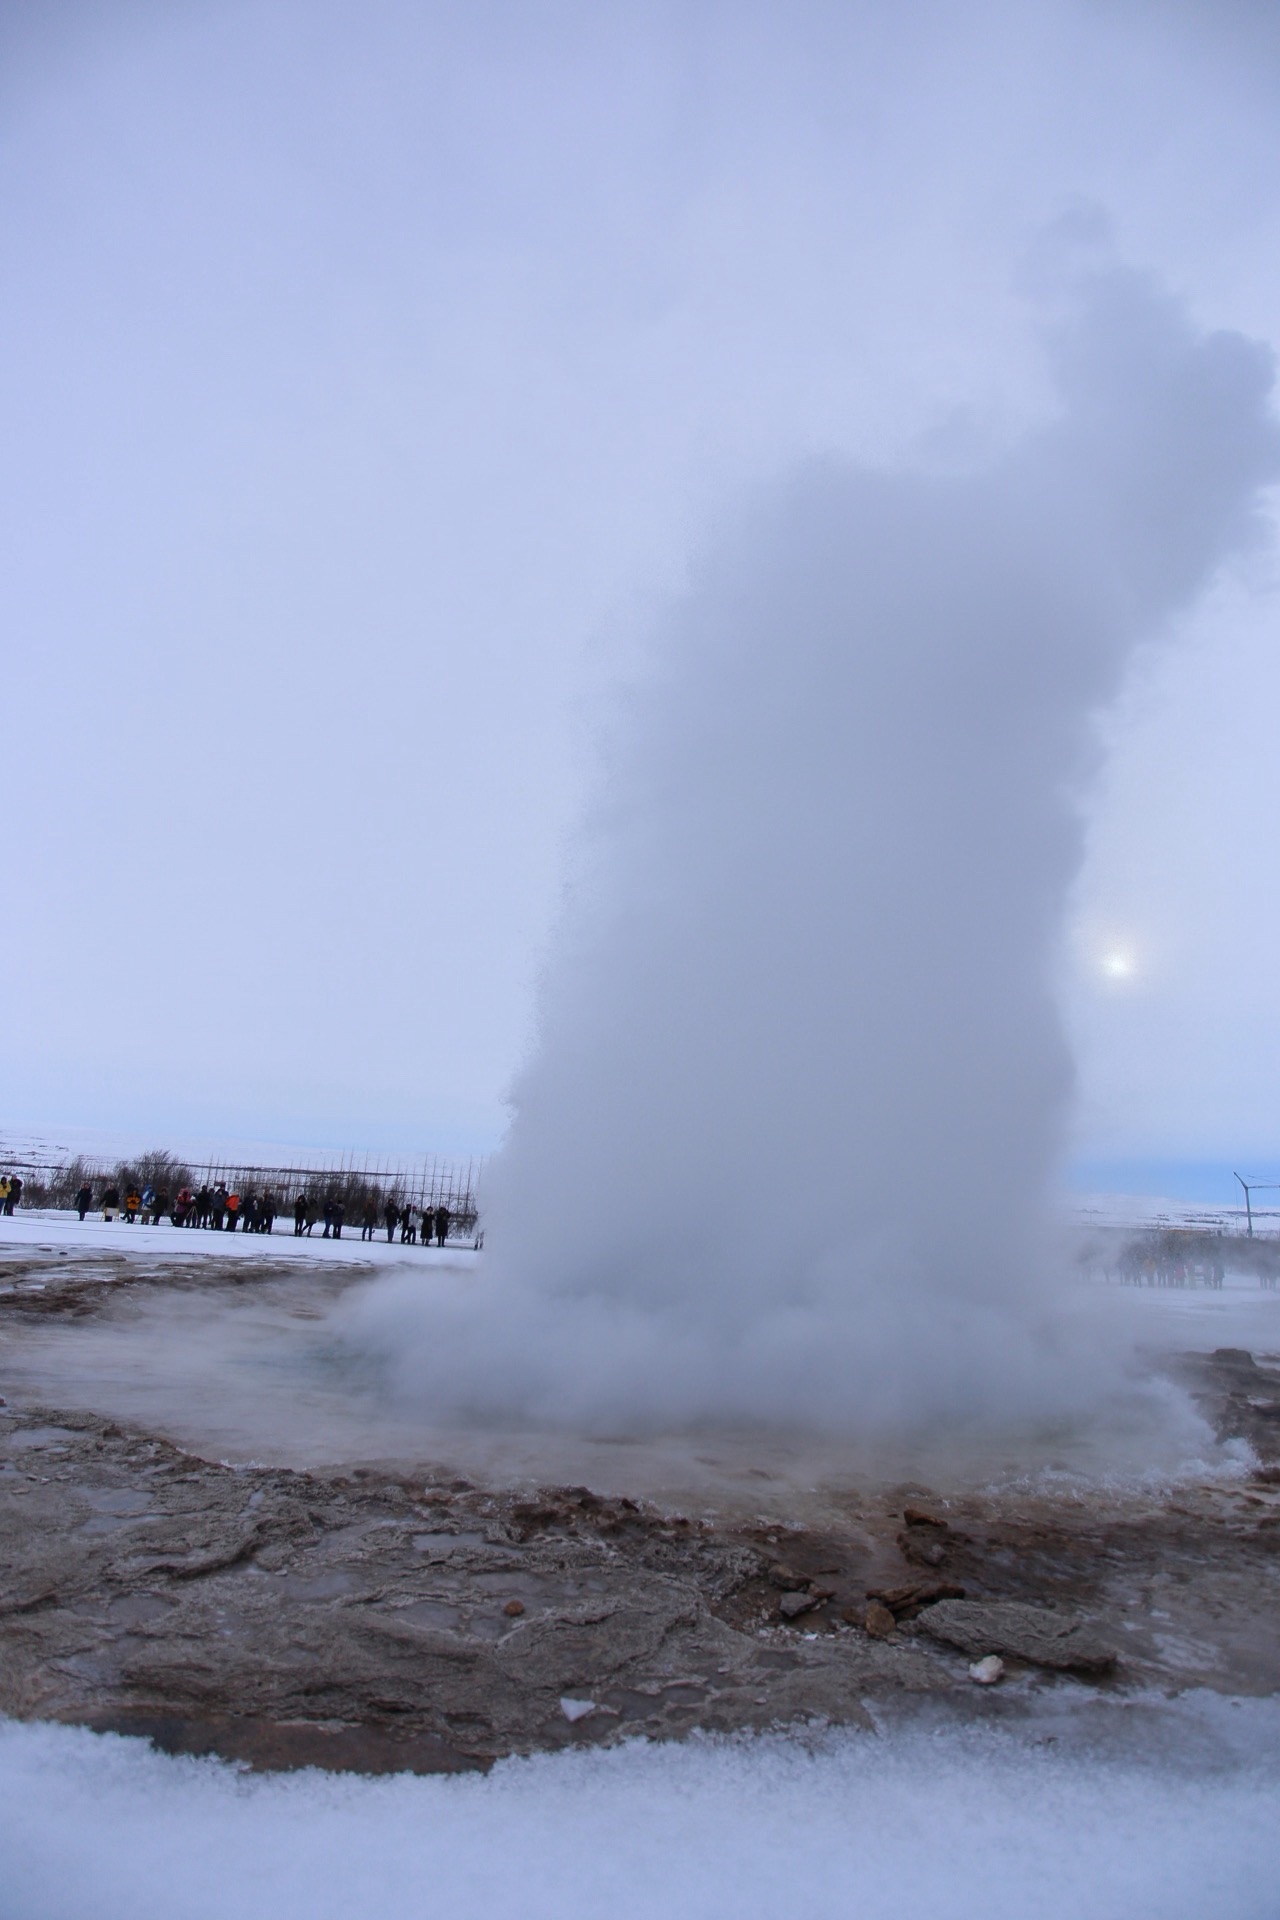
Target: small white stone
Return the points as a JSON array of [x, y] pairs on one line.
[[576, 1709], [987, 1671]]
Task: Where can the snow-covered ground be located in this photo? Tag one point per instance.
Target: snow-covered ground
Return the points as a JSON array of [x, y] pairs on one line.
[[1151, 1811], [1133, 1211], [55, 1230]]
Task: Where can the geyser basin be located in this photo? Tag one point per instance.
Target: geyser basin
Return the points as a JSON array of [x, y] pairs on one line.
[[296, 1361], [218, 1529]]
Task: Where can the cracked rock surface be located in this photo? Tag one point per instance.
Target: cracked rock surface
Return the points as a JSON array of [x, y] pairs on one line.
[[294, 1615]]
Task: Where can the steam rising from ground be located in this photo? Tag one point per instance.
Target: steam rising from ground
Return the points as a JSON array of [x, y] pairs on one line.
[[787, 1146]]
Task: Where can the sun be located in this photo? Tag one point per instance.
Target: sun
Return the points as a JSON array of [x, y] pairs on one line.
[[1118, 965]]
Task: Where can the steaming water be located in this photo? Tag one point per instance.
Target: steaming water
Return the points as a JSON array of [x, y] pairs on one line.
[[785, 1151], [268, 1372]]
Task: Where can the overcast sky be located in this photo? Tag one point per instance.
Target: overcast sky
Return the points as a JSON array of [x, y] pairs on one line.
[[369, 374]]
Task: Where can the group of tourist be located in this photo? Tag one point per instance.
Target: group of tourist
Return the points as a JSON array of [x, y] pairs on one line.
[[214, 1207], [223, 1209], [410, 1220]]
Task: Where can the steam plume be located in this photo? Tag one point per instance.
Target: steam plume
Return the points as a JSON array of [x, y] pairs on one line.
[[787, 1145]]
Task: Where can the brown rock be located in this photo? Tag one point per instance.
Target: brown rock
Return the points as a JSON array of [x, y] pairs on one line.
[[878, 1621], [906, 1601], [917, 1517], [514, 1607]]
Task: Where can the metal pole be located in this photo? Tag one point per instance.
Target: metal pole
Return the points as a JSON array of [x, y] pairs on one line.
[[1247, 1205]]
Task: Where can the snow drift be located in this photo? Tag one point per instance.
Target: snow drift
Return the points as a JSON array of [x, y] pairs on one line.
[[786, 1147]]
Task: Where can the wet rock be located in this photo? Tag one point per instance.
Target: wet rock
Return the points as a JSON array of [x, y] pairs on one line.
[[925, 1538], [917, 1517], [792, 1605], [905, 1602], [593, 1640], [1021, 1632], [922, 1546], [878, 1621]]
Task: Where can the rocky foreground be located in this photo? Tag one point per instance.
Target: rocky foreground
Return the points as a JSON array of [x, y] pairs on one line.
[[397, 1619]]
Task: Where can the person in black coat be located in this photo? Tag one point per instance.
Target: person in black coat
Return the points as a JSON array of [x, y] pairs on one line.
[[391, 1214], [84, 1200], [442, 1224]]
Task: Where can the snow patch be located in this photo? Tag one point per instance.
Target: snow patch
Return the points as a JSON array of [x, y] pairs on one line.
[[974, 1821]]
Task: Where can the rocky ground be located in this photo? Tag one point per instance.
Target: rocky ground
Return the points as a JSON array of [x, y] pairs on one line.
[[381, 1618]]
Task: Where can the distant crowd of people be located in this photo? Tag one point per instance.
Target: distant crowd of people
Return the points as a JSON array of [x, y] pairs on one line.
[[222, 1209]]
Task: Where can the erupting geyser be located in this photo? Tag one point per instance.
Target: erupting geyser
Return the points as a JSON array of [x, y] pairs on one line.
[[786, 1147]]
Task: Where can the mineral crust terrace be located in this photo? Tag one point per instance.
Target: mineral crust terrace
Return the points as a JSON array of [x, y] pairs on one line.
[[403, 1620]]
